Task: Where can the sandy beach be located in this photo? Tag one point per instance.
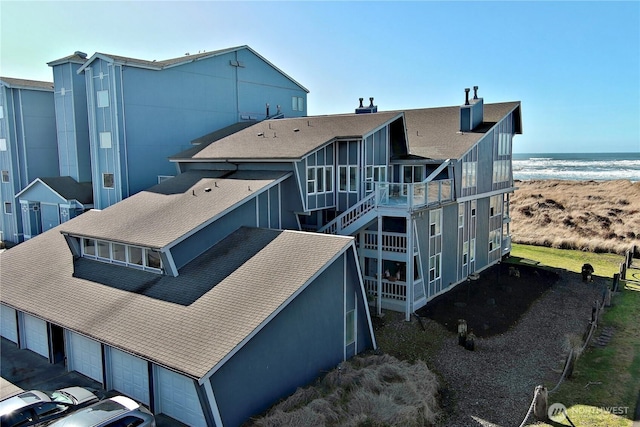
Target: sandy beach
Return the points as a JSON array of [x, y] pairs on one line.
[[596, 216]]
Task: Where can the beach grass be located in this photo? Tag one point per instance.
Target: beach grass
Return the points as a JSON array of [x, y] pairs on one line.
[[604, 387]]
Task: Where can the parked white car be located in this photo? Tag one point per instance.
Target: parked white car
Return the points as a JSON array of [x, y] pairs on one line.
[[117, 411]]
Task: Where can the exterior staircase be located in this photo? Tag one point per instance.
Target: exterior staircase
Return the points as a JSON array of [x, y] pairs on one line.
[[353, 219]]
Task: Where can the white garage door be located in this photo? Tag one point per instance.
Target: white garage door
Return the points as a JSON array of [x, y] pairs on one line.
[[8, 323], [86, 356], [178, 398], [129, 375], [35, 335]]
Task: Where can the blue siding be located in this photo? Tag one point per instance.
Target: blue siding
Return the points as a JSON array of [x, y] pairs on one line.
[[290, 351], [449, 245]]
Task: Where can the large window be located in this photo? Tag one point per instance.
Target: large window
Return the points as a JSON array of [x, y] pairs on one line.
[[297, 103], [412, 174], [435, 222], [348, 179], [375, 174], [469, 174], [118, 253], [494, 240], [319, 179], [496, 204]]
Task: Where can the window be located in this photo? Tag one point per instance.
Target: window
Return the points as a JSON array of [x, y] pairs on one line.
[[472, 250], [469, 174], [434, 267], [474, 203], [494, 240], [350, 327], [460, 215], [297, 103], [435, 222], [495, 205], [8, 208], [102, 97], [348, 178], [412, 174], [107, 180], [3, 144], [5, 176], [118, 253], [319, 179], [105, 139], [375, 174], [465, 253]]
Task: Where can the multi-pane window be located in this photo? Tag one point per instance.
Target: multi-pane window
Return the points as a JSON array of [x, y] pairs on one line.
[[434, 267], [465, 253], [494, 240], [495, 207], [460, 215], [348, 179], [501, 170], [107, 180], [102, 97], [118, 253], [435, 222], [297, 103], [5, 176], [472, 250], [375, 174], [469, 174], [105, 139], [319, 179], [412, 174]]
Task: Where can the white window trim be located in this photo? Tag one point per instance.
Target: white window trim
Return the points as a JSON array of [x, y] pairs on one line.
[[113, 179], [110, 260], [10, 206], [105, 140]]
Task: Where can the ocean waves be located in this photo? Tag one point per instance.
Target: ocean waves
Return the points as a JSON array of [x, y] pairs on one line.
[[580, 167]]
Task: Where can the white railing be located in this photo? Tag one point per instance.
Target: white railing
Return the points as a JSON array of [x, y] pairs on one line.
[[391, 242], [414, 195], [390, 290], [350, 216]]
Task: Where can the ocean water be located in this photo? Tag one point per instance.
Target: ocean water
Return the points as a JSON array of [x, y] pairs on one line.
[[577, 166]]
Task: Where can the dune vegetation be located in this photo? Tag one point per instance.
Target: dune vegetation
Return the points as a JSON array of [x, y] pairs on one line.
[[593, 216]]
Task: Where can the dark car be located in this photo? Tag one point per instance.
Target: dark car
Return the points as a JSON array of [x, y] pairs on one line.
[[117, 411], [34, 407]]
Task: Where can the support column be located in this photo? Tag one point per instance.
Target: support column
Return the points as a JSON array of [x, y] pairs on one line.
[[379, 275], [409, 269]]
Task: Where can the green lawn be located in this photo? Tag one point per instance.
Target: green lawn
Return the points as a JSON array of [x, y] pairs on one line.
[[606, 381]]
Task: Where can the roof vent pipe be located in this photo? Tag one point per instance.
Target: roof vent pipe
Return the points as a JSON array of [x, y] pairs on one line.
[[466, 96], [267, 110], [361, 99], [371, 102], [475, 92]]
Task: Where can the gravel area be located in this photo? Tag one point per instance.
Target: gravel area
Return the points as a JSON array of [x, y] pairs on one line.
[[494, 385]]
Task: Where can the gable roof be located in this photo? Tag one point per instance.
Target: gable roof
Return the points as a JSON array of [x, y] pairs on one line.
[[64, 187], [173, 209], [434, 133], [77, 58], [14, 83], [173, 62], [288, 139], [188, 323]]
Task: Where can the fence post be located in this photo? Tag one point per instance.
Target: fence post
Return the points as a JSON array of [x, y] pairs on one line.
[[541, 405], [607, 298], [628, 258], [616, 279]]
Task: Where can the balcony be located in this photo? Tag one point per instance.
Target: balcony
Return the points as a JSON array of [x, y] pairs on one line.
[[414, 195]]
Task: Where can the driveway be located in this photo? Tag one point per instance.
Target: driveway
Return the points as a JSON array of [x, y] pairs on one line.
[[22, 369]]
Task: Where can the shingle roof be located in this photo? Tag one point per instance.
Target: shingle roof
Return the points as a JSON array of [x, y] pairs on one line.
[[188, 323], [70, 189], [166, 212], [434, 132], [290, 139], [26, 84]]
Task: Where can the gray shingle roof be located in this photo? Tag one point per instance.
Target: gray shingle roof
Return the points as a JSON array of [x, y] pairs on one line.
[[290, 139], [433, 132], [26, 84], [170, 210], [70, 189], [188, 323]]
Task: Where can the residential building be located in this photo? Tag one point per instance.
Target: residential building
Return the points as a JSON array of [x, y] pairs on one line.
[[118, 119], [28, 147]]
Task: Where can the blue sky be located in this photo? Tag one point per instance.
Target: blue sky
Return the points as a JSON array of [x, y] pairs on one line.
[[575, 66]]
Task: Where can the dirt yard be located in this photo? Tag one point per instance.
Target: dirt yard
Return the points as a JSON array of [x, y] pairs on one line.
[[493, 385]]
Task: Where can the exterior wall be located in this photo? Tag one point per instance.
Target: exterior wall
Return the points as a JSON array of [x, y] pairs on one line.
[[449, 266], [71, 122], [27, 126], [292, 349], [154, 114]]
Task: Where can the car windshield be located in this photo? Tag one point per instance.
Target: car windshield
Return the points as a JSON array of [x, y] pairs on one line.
[[60, 396]]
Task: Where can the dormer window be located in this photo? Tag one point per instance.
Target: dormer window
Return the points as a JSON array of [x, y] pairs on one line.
[[117, 253]]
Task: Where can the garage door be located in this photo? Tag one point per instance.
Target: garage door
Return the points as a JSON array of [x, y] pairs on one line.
[[129, 375], [8, 323], [35, 335], [86, 356], [178, 398]]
